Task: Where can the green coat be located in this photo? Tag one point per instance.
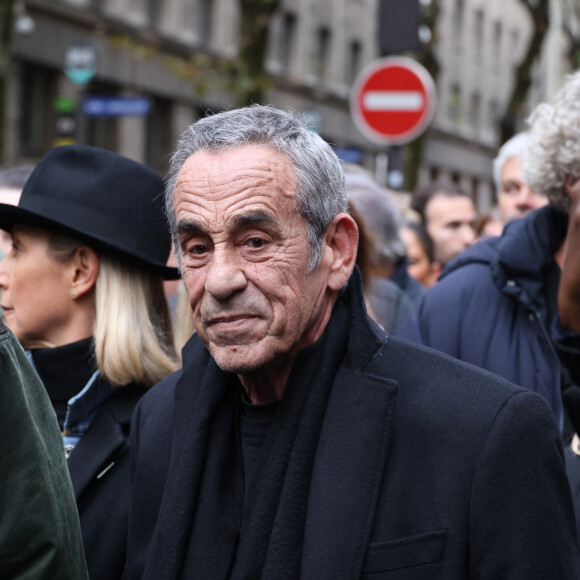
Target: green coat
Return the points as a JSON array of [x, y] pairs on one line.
[[39, 527]]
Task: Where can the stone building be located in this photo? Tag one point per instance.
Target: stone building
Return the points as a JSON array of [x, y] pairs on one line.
[[165, 51]]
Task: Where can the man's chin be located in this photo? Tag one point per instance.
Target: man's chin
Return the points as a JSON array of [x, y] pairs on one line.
[[238, 359]]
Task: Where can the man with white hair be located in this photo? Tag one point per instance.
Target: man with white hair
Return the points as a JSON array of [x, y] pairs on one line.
[[515, 198]]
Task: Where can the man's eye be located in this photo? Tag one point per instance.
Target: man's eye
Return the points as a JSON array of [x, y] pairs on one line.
[[256, 243], [198, 249], [511, 188]]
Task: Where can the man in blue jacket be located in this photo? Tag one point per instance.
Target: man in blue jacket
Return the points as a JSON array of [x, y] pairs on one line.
[[495, 306], [298, 440]]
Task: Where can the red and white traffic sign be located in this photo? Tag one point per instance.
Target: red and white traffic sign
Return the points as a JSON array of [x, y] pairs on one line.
[[393, 100]]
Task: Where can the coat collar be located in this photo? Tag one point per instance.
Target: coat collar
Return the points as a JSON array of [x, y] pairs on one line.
[[352, 452], [106, 435]]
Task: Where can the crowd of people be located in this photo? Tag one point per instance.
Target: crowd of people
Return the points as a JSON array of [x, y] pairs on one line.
[[264, 367]]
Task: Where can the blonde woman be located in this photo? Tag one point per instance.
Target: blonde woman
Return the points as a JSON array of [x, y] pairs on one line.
[[83, 293]]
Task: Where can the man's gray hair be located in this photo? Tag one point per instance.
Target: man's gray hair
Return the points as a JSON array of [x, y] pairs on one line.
[[379, 213], [320, 191], [554, 150], [516, 146]]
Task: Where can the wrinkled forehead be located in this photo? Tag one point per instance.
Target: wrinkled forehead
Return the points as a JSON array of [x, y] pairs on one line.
[[239, 172]]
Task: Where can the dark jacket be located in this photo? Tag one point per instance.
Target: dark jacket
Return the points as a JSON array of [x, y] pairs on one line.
[[95, 419], [40, 536], [489, 306], [568, 349], [100, 472], [424, 467]]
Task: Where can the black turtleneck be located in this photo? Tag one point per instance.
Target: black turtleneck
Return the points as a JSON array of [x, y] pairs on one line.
[[65, 370], [255, 422]]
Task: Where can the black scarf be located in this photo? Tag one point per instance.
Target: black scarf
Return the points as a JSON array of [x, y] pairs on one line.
[[201, 532]]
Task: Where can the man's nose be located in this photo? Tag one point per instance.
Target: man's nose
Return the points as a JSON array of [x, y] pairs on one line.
[[524, 197], [225, 274], [468, 234]]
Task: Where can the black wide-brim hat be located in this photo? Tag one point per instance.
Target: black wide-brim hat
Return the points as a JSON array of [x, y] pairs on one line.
[[112, 203]]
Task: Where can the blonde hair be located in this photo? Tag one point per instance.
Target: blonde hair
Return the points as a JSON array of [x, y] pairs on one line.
[[133, 337], [132, 332]]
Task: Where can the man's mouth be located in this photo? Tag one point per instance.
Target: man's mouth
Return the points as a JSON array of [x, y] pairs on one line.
[[229, 320]]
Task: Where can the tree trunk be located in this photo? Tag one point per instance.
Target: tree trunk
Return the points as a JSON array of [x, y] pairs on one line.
[[413, 152], [250, 78], [539, 11], [6, 28]]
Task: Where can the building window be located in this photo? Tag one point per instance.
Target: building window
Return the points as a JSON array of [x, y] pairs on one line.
[[475, 112], [458, 18], [353, 61], [37, 118], [287, 41], [159, 138], [494, 118], [514, 42], [321, 53], [478, 34], [154, 8], [204, 21], [454, 106], [497, 30]]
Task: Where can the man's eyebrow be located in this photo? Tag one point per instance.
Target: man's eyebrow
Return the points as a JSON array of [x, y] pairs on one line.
[[190, 227], [247, 219]]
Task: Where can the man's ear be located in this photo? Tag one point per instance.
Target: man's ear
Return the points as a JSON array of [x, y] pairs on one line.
[[85, 269], [341, 241]]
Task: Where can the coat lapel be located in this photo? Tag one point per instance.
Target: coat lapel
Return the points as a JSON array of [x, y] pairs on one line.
[[94, 451], [347, 474]]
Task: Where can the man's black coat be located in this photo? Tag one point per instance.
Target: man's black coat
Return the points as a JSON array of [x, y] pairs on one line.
[[425, 467]]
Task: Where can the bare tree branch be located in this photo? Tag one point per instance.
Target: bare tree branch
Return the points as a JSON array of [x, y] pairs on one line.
[[250, 75], [540, 14]]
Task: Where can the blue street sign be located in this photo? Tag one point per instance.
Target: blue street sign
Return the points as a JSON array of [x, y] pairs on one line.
[[104, 106]]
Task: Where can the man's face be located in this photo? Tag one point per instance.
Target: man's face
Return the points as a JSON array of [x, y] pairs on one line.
[[450, 223], [244, 257], [418, 264], [516, 198]]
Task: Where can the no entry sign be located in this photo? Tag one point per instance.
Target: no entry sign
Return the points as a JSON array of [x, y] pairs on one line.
[[393, 100]]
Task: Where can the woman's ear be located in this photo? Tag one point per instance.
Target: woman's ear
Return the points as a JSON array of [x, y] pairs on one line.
[[341, 239], [85, 263]]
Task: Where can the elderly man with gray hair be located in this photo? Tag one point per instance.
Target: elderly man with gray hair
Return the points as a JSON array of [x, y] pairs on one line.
[[298, 441], [515, 197], [496, 307]]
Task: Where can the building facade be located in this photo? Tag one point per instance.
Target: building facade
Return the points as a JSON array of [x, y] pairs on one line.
[[164, 53]]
